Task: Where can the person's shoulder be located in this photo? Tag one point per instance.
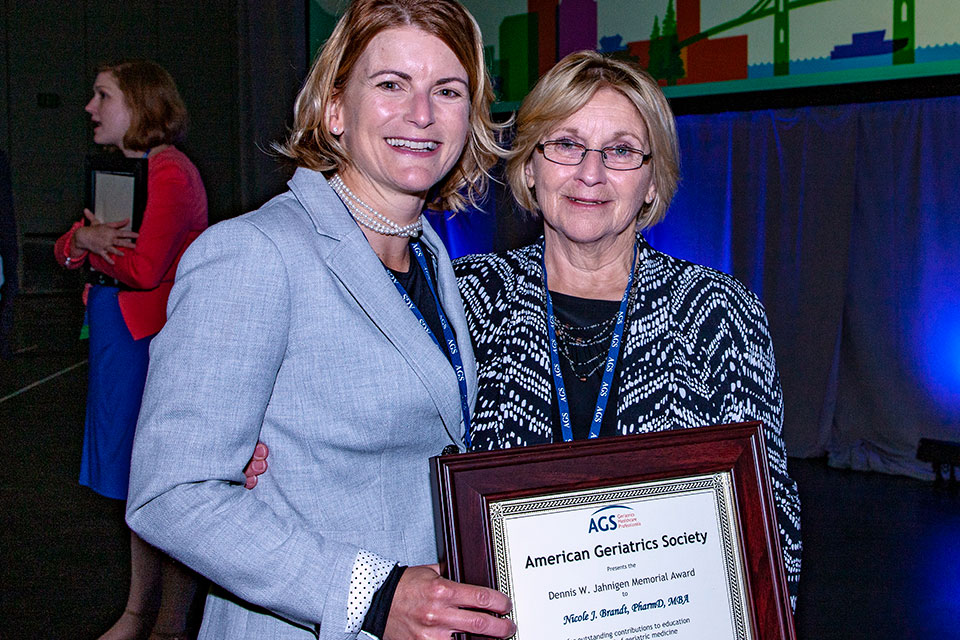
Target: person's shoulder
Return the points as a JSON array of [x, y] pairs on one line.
[[502, 263], [699, 296], [278, 222], [690, 279], [172, 169], [491, 285], [283, 215], [172, 159], [474, 263]]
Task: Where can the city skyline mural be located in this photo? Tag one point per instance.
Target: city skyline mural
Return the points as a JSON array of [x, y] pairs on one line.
[[703, 47]]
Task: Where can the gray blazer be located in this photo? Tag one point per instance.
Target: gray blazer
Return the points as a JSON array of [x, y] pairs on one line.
[[284, 326]]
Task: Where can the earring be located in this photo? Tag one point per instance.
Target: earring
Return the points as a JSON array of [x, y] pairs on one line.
[[335, 130]]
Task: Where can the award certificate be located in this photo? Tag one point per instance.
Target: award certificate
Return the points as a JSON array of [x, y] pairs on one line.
[[651, 560]]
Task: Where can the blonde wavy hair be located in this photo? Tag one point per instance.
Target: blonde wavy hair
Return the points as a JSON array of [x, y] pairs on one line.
[[565, 89], [312, 145]]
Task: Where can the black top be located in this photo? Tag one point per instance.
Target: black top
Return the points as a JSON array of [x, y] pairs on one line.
[[416, 286], [582, 394]]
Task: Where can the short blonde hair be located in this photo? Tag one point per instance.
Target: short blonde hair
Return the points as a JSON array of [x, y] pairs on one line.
[[157, 113], [313, 146], [565, 89]]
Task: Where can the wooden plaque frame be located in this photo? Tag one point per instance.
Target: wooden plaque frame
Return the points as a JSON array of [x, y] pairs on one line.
[[132, 171], [465, 485]]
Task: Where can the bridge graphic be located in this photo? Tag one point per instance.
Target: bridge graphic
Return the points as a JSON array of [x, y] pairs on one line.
[[780, 10], [903, 28]]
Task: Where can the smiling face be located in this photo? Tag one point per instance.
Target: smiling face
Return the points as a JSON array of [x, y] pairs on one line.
[[587, 204], [403, 118], [109, 111]]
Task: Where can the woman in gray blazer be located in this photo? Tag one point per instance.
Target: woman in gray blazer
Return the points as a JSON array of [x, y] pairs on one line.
[[328, 325]]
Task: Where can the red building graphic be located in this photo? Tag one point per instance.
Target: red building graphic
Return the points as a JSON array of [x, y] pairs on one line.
[[710, 60], [546, 11]]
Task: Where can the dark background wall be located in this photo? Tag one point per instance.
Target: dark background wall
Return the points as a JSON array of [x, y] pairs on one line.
[[238, 65]]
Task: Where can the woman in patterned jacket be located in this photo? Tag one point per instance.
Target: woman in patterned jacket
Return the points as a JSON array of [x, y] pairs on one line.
[[596, 156]]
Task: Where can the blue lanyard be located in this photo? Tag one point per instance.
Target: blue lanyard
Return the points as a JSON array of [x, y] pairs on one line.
[[451, 341], [604, 396]]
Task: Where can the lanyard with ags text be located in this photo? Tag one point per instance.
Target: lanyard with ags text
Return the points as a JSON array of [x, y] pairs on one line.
[[612, 356], [448, 336]]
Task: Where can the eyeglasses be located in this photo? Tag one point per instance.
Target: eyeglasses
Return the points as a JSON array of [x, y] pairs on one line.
[[618, 158]]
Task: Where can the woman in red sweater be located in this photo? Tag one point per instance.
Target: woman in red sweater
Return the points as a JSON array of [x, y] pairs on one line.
[[136, 109]]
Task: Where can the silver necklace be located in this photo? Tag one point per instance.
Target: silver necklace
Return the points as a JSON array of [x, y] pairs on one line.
[[583, 347], [369, 217], [577, 343]]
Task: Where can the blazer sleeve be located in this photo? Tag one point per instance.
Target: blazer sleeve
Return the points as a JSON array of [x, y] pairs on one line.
[[212, 371]]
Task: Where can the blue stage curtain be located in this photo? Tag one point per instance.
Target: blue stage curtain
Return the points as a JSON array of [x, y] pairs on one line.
[[845, 220], [471, 231]]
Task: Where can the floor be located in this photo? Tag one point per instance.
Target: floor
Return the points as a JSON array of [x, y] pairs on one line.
[[881, 557]]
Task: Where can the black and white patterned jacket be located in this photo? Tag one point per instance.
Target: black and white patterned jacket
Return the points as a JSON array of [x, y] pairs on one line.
[[697, 351]]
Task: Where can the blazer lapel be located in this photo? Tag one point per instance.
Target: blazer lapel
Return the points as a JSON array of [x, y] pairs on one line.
[[358, 268], [452, 304]]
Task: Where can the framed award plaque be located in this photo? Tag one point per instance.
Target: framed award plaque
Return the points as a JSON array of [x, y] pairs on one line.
[[662, 535], [117, 188]]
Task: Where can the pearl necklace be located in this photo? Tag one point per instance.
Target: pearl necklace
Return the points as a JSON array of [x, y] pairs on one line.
[[376, 222]]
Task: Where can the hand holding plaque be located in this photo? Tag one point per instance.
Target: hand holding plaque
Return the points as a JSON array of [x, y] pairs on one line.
[[426, 605], [117, 189], [104, 238]]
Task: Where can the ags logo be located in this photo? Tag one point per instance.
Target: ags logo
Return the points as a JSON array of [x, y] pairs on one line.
[[615, 516]]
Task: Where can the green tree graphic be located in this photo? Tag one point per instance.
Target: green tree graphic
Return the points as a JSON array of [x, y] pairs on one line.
[[673, 64], [657, 58]]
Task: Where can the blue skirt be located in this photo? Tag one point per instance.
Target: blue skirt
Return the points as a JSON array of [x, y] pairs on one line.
[[118, 372]]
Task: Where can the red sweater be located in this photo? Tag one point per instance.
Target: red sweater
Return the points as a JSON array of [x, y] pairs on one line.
[[175, 214]]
